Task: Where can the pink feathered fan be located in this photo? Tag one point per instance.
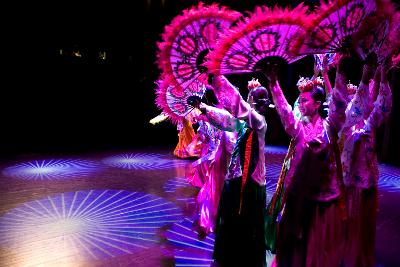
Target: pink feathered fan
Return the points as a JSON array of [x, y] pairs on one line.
[[377, 31], [172, 100], [188, 39], [335, 22], [265, 33]]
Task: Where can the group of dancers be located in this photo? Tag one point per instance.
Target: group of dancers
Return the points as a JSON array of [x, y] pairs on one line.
[[329, 202], [323, 212]]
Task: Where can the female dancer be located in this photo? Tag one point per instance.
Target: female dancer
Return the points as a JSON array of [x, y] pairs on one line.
[[310, 231], [240, 231]]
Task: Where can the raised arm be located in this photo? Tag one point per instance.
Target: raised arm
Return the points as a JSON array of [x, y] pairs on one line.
[[358, 106], [232, 101], [289, 120], [221, 118], [337, 105], [382, 105], [324, 72]]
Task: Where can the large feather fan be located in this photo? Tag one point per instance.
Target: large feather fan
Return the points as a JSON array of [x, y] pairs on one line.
[[265, 33], [188, 39], [375, 31], [172, 100], [335, 22]]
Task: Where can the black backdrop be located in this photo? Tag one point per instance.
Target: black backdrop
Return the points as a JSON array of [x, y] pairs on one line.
[[55, 102]]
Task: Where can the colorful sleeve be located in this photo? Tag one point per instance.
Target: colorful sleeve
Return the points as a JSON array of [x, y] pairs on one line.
[[337, 105], [357, 107], [289, 120], [222, 119], [382, 108], [235, 104], [226, 92]]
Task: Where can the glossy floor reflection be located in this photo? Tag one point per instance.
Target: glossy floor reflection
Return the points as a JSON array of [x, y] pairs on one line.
[[128, 208]]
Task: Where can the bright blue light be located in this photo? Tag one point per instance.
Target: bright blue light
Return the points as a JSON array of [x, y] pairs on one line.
[[53, 169], [389, 178], [96, 224], [143, 161]]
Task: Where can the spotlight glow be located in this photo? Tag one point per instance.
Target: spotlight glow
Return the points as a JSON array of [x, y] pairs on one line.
[[92, 224], [53, 169], [143, 161]]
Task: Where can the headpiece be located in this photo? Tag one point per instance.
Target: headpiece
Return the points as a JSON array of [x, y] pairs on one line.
[[306, 84]]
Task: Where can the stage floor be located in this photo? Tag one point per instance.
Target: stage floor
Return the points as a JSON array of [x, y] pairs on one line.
[[129, 208]]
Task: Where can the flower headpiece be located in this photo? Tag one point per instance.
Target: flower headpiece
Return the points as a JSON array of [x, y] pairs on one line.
[[306, 84], [254, 83], [351, 88]]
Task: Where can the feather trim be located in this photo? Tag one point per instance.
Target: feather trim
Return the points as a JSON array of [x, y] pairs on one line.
[[334, 21], [159, 118], [247, 47], [172, 100], [374, 34], [178, 43]]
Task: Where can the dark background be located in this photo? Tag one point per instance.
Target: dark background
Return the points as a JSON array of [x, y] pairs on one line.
[[55, 102]]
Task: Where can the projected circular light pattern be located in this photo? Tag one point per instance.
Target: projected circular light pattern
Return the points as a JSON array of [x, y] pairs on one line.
[[173, 184], [92, 224], [389, 178], [52, 169], [143, 161], [191, 250], [273, 170]]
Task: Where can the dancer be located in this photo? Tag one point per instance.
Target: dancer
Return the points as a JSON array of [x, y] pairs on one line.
[[187, 142], [366, 112], [276, 205], [310, 231], [209, 171], [240, 231]]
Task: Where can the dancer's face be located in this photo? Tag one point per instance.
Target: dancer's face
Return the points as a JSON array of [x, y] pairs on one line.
[[307, 105]]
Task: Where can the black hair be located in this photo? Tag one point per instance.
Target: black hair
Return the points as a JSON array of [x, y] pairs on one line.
[[318, 94], [261, 99], [209, 97]]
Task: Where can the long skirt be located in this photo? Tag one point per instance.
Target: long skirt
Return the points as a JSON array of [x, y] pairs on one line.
[[240, 238], [361, 227], [310, 234]]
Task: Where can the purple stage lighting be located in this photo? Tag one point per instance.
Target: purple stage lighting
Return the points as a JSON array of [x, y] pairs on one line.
[[52, 169], [94, 224], [173, 184], [389, 178]]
